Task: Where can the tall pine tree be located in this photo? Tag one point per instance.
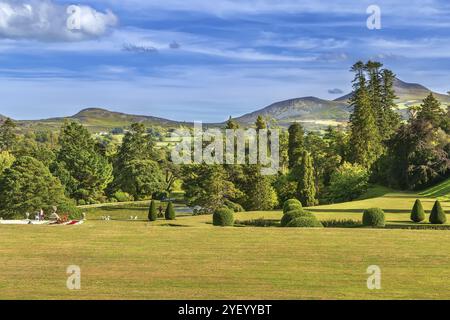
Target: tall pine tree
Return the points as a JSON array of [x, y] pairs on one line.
[[296, 144], [365, 140], [306, 187]]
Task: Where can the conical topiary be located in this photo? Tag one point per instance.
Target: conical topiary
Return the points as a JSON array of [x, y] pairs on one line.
[[170, 212], [152, 213], [417, 213], [437, 214]]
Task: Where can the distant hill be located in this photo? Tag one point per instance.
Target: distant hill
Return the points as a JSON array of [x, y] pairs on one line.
[[315, 112], [98, 119]]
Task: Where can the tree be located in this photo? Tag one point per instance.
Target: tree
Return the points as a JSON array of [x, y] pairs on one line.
[[8, 136], [417, 213], [348, 182], [232, 124], [136, 145], [29, 186], [152, 213], [306, 190], [296, 144], [365, 140], [208, 186], [6, 161], [390, 120], [258, 192], [141, 178], [431, 111], [82, 170], [170, 213], [260, 123], [437, 214]]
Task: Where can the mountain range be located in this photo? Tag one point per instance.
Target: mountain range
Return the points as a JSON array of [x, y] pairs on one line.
[[313, 112]]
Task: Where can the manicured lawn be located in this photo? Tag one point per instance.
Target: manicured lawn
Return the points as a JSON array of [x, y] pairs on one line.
[[194, 260], [441, 191]]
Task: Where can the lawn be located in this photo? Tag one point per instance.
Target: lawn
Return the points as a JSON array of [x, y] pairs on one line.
[[191, 259]]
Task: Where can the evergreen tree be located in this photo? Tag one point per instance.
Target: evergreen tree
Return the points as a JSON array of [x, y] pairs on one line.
[[374, 89], [437, 214], [152, 213], [296, 144], [306, 190], [431, 111], [417, 213], [232, 124], [260, 123], [365, 141], [28, 186], [8, 136], [82, 170], [259, 195], [390, 120], [170, 213]]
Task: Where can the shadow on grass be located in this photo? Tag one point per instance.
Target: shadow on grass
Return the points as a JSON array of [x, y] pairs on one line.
[[354, 210]]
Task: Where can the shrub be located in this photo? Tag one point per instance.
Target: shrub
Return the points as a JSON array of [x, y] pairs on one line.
[[291, 204], [417, 213], [170, 212], [236, 207], [437, 215], [123, 196], [68, 209], [291, 215], [374, 217], [261, 222], [152, 212], [223, 217], [344, 223], [348, 182], [305, 222]]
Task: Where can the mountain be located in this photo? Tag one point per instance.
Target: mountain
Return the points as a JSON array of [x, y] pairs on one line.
[[316, 113], [307, 109], [97, 119]]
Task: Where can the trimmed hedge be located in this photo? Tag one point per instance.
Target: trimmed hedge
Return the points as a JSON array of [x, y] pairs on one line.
[[152, 212], [374, 217], [293, 214], [417, 213], [291, 204], [223, 217], [437, 215], [170, 212], [305, 222]]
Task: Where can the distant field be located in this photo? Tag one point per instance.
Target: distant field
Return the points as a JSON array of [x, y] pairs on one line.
[[191, 259]]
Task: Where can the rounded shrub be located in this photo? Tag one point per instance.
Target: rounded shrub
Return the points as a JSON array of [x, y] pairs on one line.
[[152, 212], [305, 222], [374, 217], [123, 196], [291, 204], [417, 213], [293, 214], [170, 212], [437, 215], [223, 217]]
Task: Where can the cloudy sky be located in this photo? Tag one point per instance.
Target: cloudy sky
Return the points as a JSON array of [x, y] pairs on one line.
[[206, 59]]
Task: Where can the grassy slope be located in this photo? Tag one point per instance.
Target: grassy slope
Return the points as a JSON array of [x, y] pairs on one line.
[[441, 191], [137, 259]]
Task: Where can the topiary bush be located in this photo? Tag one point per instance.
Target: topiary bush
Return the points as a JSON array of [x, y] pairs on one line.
[[417, 213], [152, 212], [437, 215], [293, 214], [170, 212], [123, 196], [292, 204], [305, 222], [223, 217], [374, 217]]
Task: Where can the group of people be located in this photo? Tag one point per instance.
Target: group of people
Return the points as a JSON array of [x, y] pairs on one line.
[[39, 215]]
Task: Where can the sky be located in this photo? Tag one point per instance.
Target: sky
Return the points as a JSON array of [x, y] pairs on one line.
[[206, 60]]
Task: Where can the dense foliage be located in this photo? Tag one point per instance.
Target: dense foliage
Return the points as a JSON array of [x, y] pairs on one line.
[[223, 217], [417, 213], [374, 217], [438, 215]]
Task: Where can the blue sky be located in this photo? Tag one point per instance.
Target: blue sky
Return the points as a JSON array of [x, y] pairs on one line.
[[205, 60]]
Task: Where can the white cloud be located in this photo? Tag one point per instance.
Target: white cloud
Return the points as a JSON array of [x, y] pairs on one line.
[[45, 20]]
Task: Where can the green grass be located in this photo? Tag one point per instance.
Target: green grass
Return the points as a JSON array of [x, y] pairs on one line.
[[193, 260], [440, 191]]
